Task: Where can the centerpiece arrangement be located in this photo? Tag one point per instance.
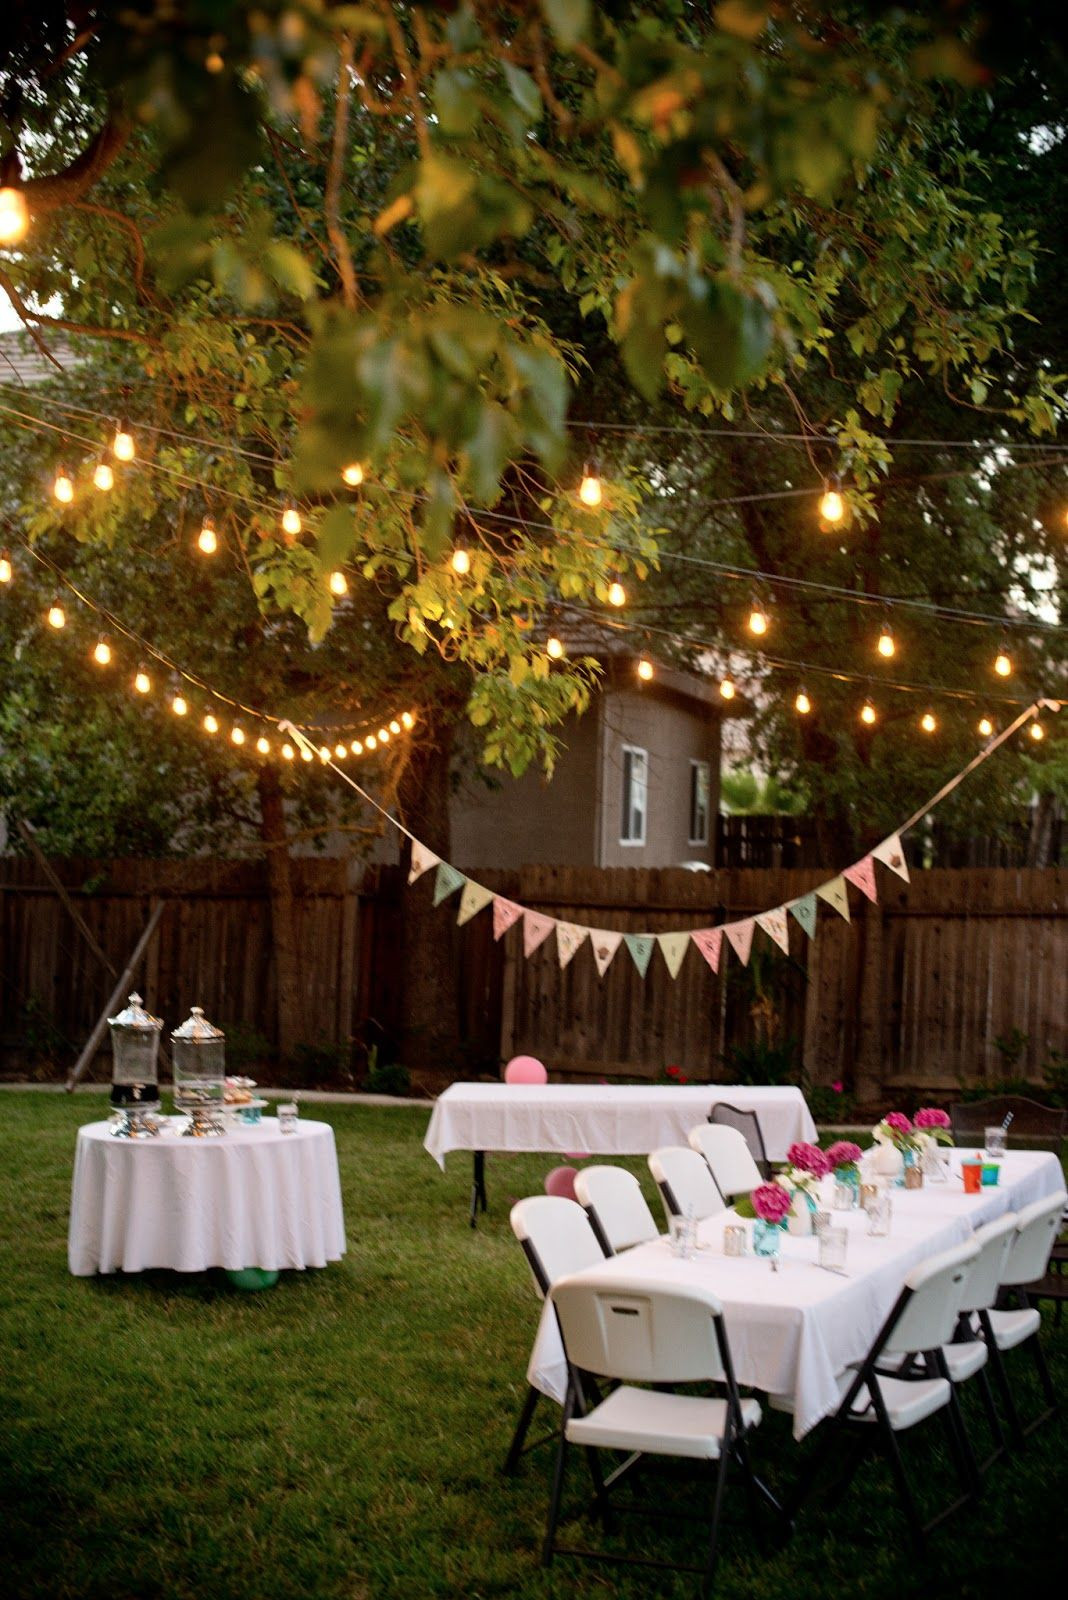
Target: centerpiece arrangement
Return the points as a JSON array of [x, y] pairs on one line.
[[769, 1204], [895, 1147], [844, 1158], [932, 1128]]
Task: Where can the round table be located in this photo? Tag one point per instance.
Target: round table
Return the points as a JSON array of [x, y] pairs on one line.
[[253, 1197]]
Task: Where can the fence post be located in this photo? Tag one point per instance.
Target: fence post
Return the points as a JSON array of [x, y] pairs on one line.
[[868, 1070]]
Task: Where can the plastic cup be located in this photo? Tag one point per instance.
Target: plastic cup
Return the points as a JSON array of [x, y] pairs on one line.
[[990, 1169], [972, 1173]]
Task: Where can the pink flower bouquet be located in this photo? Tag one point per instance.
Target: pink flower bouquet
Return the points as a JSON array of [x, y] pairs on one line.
[[769, 1202], [843, 1154], [808, 1158], [935, 1123], [895, 1129]]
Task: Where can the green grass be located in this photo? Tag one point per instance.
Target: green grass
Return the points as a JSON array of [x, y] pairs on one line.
[[340, 1436]]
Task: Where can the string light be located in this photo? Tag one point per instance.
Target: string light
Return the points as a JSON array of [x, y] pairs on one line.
[[7, 571], [394, 726], [832, 505], [291, 523], [645, 669], [727, 689], [370, 742], [211, 723], [554, 648], [1036, 730], [102, 652], [590, 492], [57, 617], [122, 445], [305, 753], [383, 735], [887, 645], [287, 752], [868, 713], [341, 751], [461, 558], [104, 476], [1003, 663], [207, 538], [352, 474], [14, 215], [324, 754], [179, 705], [758, 619], [63, 487], [802, 704], [237, 734], [338, 583], [617, 595], [142, 681], [357, 748], [928, 722], [263, 746], [407, 719], [986, 727]]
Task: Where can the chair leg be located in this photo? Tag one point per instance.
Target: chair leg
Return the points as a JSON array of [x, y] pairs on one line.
[[1002, 1378], [554, 1500], [601, 1503], [717, 1507], [912, 1515], [522, 1428], [997, 1432]]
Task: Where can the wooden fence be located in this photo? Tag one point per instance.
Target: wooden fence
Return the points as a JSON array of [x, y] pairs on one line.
[[915, 990]]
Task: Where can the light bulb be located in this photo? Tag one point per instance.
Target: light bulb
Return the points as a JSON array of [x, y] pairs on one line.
[[758, 621], [554, 648], [832, 506], [617, 595], [237, 734], [645, 669], [928, 722], [291, 523], [986, 727], [868, 713], [727, 689], [122, 445], [590, 488], [338, 583], [63, 487], [211, 724], [352, 475], [407, 719], [287, 752], [394, 726], [383, 735], [179, 705], [461, 560], [14, 215], [341, 751], [305, 753], [1037, 731], [263, 746], [207, 538], [371, 742], [142, 681], [102, 653], [103, 476], [357, 748], [57, 617], [886, 646], [803, 704], [1003, 663], [7, 572]]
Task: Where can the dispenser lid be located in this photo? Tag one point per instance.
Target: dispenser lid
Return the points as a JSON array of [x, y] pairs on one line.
[[197, 1028], [134, 1015]]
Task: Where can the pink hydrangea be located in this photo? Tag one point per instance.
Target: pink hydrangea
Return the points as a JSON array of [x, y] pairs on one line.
[[844, 1154], [771, 1202], [897, 1122], [931, 1117], [809, 1158]]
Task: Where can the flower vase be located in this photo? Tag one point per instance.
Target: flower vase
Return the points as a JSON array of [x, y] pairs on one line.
[[802, 1218], [767, 1238], [884, 1161], [908, 1160], [935, 1162], [846, 1188]]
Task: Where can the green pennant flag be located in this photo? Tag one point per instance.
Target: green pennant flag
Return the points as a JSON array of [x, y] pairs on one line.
[[446, 882], [835, 894], [673, 948], [474, 897], [806, 911], [640, 946]]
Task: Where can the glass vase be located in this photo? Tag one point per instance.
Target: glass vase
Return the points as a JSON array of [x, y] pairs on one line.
[[908, 1159], [846, 1188], [802, 1218], [767, 1239]]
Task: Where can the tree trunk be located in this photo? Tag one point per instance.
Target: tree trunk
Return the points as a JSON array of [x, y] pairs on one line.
[[284, 938]]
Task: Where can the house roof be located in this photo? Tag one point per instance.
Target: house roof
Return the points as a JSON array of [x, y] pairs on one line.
[[22, 363]]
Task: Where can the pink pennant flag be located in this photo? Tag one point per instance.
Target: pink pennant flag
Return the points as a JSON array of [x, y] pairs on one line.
[[568, 938], [505, 913], [536, 929], [710, 942], [891, 854], [605, 942], [422, 861], [740, 937], [862, 874], [776, 927]]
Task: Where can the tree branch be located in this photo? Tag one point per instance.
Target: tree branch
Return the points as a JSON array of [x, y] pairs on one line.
[[58, 189], [26, 317], [335, 174]]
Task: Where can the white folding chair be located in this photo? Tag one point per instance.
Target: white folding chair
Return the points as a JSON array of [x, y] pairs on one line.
[[642, 1333], [686, 1186], [1006, 1328], [902, 1381], [729, 1158], [557, 1240], [748, 1125], [616, 1207], [966, 1356]]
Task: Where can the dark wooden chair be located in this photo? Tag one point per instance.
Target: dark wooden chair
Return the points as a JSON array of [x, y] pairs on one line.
[[1033, 1127], [748, 1125]]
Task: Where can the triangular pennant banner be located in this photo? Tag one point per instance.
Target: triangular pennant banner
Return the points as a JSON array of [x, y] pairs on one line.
[[806, 912], [673, 948], [836, 896], [640, 946], [740, 937], [776, 927], [447, 882], [472, 901], [605, 943], [891, 854], [568, 938], [536, 929], [862, 873], [710, 942], [505, 913], [422, 861]]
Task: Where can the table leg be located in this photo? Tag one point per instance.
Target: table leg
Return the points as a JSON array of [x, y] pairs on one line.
[[478, 1184]]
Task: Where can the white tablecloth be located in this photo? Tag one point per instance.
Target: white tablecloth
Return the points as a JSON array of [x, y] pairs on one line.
[[252, 1198], [793, 1330], [603, 1119]]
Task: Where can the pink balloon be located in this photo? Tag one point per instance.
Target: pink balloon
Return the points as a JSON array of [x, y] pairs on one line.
[[561, 1182], [525, 1069]]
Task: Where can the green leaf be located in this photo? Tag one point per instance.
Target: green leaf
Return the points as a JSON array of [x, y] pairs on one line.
[[336, 536], [456, 102], [524, 91], [569, 19]]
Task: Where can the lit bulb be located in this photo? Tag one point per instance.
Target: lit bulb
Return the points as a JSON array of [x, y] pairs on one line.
[[394, 726], [645, 669], [102, 653], [305, 753], [986, 727], [6, 569], [122, 445], [14, 215], [803, 704], [928, 722], [1003, 664], [1037, 731], [357, 748], [352, 475], [886, 646], [832, 506], [407, 719], [617, 595], [63, 487], [338, 583], [340, 751], [57, 617], [324, 754], [179, 705], [370, 741], [554, 648], [287, 752], [237, 734], [213, 62], [207, 538], [868, 713], [727, 689], [104, 477], [758, 622], [590, 488], [461, 560], [263, 746], [142, 681], [291, 523], [211, 724], [383, 735]]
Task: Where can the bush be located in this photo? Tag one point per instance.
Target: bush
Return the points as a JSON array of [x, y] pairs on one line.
[[830, 1102], [389, 1078], [756, 1062]]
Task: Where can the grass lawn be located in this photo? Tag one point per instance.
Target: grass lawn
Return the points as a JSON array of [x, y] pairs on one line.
[[340, 1436]]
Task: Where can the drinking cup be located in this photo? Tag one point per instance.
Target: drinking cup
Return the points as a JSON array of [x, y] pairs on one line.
[[972, 1173], [832, 1249], [994, 1142], [734, 1240], [990, 1169], [880, 1211], [681, 1237], [287, 1117]]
